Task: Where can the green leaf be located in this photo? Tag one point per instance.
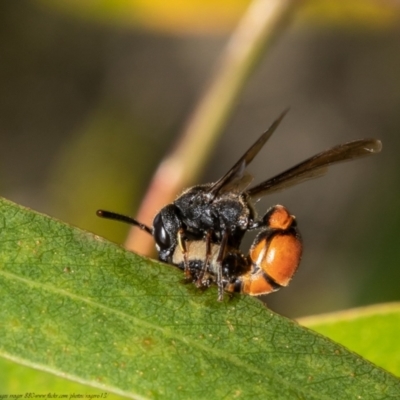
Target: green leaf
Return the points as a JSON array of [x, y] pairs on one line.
[[17, 380], [80, 307], [370, 331]]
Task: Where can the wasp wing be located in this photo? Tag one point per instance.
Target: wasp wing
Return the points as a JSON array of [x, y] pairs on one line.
[[236, 179], [315, 166]]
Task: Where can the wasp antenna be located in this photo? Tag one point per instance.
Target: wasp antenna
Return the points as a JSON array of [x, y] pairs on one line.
[[284, 112], [123, 218]]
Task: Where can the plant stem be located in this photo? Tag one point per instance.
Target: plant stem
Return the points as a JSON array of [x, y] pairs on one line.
[[261, 23]]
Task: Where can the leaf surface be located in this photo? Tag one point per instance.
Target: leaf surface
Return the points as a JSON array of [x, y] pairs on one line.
[[80, 307], [370, 331]]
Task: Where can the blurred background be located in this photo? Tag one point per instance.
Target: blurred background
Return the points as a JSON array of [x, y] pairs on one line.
[[93, 94]]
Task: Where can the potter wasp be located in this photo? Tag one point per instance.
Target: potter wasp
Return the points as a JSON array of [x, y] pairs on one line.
[[202, 230]]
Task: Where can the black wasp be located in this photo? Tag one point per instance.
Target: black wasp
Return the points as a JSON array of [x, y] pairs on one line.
[[202, 230]]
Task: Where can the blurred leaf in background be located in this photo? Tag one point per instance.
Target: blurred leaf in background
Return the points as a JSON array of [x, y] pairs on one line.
[[196, 16], [210, 17], [84, 176], [361, 13]]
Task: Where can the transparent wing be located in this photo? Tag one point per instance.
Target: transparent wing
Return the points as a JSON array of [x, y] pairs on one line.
[[236, 179], [316, 166]]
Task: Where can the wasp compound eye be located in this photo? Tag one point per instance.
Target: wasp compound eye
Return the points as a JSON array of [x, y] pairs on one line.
[[161, 236]]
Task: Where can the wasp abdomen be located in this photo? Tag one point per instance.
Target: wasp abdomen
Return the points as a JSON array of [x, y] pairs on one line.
[[275, 255]]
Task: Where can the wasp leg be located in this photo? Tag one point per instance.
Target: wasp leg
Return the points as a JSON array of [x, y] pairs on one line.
[[220, 258], [182, 246], [206, 264]]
